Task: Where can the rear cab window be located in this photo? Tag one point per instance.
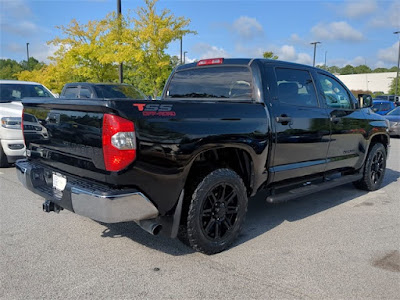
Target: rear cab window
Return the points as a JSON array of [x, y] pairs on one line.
[[71, 92], [214, 82]]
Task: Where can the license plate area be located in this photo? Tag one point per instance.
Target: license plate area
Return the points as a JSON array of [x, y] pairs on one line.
[[59, 181]]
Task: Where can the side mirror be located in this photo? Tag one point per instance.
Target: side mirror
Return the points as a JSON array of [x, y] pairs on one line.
[[364, 100]]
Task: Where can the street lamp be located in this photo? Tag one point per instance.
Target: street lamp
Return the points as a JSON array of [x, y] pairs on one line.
[[398, 65], [325, 57], [184, 57], [120, 67], [27, 56], [181, 49], [315, 49]]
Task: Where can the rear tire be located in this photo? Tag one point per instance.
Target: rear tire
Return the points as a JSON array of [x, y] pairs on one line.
[[217, 211], [3, 158], [374, 169]]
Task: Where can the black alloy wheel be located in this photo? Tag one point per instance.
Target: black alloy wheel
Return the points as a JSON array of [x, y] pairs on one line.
[[377, 167], [217, 211]]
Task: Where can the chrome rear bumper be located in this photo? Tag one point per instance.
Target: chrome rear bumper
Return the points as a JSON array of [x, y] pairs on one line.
[[93, 200]]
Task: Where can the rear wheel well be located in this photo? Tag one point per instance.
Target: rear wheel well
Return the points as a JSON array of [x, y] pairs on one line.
[[235, 159]]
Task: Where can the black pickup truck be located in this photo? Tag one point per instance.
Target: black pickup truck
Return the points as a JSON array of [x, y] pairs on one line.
[[224, 130]]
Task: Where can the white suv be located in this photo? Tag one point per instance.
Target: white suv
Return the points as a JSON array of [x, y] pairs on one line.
[[12, 145]]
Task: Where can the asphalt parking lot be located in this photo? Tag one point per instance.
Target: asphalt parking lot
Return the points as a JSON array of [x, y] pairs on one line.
[[339, 244]]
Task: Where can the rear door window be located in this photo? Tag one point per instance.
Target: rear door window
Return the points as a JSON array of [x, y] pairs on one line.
[[227, 82], [296, 87]]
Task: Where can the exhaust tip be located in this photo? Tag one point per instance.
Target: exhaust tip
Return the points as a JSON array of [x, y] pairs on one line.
[[151, 226], [157, 229]]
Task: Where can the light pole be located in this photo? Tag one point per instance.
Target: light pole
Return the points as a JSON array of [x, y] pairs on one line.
[[184, 57], [181, 50], [315, 50], [27, 56], [325, 57], [120, 67], [398, 65]]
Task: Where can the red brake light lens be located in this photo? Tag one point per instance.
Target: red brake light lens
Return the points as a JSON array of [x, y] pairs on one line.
[[119, 142], [211, 61]]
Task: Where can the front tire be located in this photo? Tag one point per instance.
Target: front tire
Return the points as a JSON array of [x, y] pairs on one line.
[[374, 169], [217, 211]]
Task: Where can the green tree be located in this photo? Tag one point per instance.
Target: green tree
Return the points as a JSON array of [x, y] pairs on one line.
[[92, 51], [82, 49], [323, 67], [392, 89], [270, 55], [9, 69], [154, 32], [334, 69], [32, 64], [380, 70], [362, 69], [347, 70]]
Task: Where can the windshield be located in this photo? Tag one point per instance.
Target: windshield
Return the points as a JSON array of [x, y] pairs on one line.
[[15, 92], [394, 112], [228, 82], [118, 91]]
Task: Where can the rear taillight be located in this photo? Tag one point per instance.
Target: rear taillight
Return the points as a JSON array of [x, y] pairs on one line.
[[119, 142], [212, 61]]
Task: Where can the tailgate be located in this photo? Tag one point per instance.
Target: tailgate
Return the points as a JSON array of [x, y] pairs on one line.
[[66, 134]]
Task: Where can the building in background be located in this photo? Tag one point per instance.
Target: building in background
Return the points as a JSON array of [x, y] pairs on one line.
[[374, 82]]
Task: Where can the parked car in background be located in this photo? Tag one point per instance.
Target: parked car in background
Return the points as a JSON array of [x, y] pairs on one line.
[[11, 139], [392, 98], [88, 90], [382, 107], [394, 120]]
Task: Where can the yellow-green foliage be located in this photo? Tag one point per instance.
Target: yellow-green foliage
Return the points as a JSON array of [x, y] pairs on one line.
[[91, 52]]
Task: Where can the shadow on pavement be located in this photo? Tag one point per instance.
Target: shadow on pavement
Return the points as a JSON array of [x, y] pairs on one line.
[[261, 217]]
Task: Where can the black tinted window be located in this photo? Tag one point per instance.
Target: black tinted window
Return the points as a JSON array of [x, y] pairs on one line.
[[118, 91], [212, 82], [15, 92], [296, 87], [71, 92], [85, 93]]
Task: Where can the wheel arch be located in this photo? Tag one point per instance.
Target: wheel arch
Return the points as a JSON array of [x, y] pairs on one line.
[[379, 138], [236, 158]]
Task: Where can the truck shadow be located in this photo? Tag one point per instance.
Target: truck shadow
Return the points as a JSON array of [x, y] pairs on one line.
[[261, 217]]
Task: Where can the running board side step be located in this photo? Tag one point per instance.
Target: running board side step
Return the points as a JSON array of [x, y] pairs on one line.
[[312, 188]]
